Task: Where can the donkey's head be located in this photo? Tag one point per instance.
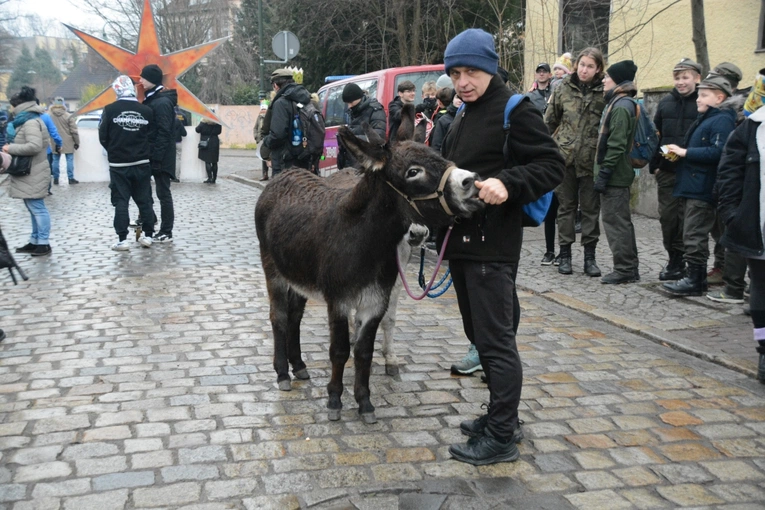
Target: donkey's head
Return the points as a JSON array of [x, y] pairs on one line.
[[434, 187]]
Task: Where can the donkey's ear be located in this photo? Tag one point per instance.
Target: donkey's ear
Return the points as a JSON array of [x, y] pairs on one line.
[[372, 135], [406, 128], [369, 156]]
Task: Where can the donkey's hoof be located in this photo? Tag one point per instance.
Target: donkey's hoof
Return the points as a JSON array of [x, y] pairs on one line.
[[285, 385], [391, 369], [333, 414], [368, 418], [301, 374]]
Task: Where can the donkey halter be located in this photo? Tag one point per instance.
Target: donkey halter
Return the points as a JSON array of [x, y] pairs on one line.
[[439, 194]]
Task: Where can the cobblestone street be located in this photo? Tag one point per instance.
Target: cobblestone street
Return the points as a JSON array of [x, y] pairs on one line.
[[144, 380]]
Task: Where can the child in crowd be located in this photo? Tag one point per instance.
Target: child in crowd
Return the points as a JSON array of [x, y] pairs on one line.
[[696, 175]]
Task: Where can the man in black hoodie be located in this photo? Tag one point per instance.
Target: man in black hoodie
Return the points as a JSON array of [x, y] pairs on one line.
[[484, 251], [285, 151], [125, 130], [162, 103]]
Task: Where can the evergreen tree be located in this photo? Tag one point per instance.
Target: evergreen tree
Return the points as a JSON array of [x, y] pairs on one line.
[[23, 72], [46, 70]]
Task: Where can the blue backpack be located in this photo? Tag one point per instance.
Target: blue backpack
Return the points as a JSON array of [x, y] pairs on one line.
[[534, 212]]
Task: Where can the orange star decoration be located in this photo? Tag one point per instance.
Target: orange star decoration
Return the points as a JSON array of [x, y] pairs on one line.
[[173, 65]]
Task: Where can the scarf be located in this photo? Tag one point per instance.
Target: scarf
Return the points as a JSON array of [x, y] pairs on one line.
[[18, 121]]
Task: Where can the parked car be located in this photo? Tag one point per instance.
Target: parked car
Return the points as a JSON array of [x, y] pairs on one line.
[[89, 120], [381, 84]]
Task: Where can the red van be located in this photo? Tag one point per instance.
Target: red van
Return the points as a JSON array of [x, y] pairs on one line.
[[382, 85]]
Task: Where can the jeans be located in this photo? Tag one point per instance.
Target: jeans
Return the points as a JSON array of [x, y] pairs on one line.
[[165, 197], [69, 165], [40, 220], [131, 182], [490, 312]]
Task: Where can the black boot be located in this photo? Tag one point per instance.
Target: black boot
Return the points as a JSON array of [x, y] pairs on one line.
[[675, 268], [590, 266], [214, 172], [760, 365], [565, 259], [694, 284]]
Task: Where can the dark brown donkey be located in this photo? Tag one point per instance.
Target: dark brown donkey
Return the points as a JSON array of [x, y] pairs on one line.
[[339, 245]]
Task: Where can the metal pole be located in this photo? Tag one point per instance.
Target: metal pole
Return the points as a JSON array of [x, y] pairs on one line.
[[260, 51]]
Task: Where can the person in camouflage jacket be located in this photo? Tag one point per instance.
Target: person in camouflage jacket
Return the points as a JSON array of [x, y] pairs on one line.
[[573, 116]]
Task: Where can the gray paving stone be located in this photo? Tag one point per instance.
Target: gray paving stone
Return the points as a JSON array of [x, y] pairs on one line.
[[201, 454], [47, 470], [112, 500], [194, 472], [186, 492], [123, 480]]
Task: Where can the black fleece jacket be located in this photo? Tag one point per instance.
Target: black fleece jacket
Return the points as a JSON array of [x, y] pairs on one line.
[[475, 142], [125, 130], [674, 117]]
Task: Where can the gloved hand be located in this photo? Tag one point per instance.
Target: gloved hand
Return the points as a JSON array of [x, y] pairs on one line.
[[601, 181], [420, 108], [58, 150], [76, 146]]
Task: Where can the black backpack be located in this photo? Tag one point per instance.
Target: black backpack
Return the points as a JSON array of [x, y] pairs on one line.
[[312, 126]]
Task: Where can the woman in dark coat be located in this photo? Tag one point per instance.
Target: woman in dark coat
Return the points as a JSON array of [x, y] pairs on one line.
[[211, 151]]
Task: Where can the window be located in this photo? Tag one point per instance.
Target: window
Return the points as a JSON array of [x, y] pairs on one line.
[[418, 78], [336, 108], [584, 23]]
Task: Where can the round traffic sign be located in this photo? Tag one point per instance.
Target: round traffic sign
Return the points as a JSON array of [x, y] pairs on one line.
[[285, 45]]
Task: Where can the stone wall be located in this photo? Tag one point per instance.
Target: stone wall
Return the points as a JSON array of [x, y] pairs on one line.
[[238, 122]]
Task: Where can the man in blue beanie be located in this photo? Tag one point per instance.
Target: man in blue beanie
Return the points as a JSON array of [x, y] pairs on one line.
[[484, 251]]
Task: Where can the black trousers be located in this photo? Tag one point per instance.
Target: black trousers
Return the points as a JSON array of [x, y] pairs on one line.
[[167, 214], [490, 313], [131, 182], [550, 221]]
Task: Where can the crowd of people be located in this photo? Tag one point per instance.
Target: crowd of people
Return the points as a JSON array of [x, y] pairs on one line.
[[140, 140], [572, 133]]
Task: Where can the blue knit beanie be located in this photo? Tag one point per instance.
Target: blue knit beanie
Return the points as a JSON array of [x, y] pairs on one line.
[[472, 48]]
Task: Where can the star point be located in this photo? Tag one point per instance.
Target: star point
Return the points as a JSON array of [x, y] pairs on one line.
[[173, 65]]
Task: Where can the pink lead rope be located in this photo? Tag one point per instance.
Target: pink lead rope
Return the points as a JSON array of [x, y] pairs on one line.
[[435, 272]]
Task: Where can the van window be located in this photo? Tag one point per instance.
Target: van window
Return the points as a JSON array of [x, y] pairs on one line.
[[418, 78], [335, 106]]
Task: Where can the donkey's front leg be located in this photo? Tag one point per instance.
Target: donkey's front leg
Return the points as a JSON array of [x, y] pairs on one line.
[[388, 324], [339, 352], [372, 306]]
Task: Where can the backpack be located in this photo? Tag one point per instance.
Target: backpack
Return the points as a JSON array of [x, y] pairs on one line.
[[534, 212], [309, 128], [646, 140]]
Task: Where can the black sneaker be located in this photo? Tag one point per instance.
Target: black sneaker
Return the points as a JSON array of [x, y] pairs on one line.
[[42, 250], [548, 259], [27, 248], [55, 181], [556, 262], [485, 450], [163, 238], [74, 181], [477, 427]]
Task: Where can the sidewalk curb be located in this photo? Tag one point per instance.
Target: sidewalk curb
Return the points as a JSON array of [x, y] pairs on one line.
[[246, 181], [654, 334]]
